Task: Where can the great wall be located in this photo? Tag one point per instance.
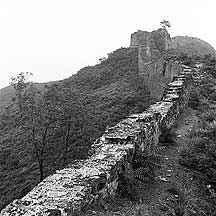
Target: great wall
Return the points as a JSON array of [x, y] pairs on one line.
[[97, 178]]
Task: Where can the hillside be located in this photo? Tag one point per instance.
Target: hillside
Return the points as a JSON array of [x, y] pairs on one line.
[[99, 96], [7, 93], [192, 46]]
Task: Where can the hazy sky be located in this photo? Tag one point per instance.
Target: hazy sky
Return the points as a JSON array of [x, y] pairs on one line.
[[55, 38]]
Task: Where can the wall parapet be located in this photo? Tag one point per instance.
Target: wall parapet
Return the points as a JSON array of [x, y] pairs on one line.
[[95, 179]]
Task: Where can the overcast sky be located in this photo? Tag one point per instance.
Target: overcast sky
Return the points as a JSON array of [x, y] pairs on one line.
[[55, 38]]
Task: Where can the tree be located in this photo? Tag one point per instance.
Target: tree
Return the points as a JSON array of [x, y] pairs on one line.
[[72, 114], [37, 116], [38, 122], [54, 113], [165, 24], [20, 83], [101, 60]]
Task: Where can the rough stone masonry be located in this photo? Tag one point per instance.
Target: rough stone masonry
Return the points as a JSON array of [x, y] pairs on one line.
[[97, 178], [156, 70]]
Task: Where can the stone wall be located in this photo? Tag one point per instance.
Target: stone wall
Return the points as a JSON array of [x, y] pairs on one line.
[[157, 74], [96, 179]]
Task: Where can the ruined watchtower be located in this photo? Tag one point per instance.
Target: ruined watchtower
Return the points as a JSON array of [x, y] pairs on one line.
[[151, 48]]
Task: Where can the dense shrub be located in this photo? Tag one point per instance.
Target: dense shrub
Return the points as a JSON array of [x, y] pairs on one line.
[[199, 154]]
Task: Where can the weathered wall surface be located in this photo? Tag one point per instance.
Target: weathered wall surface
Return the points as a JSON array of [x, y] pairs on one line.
[[157, 41], [155, 70], [157, 74], [97, 178]]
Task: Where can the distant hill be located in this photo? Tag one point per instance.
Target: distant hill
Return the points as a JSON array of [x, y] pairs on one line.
[[192, 46]]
